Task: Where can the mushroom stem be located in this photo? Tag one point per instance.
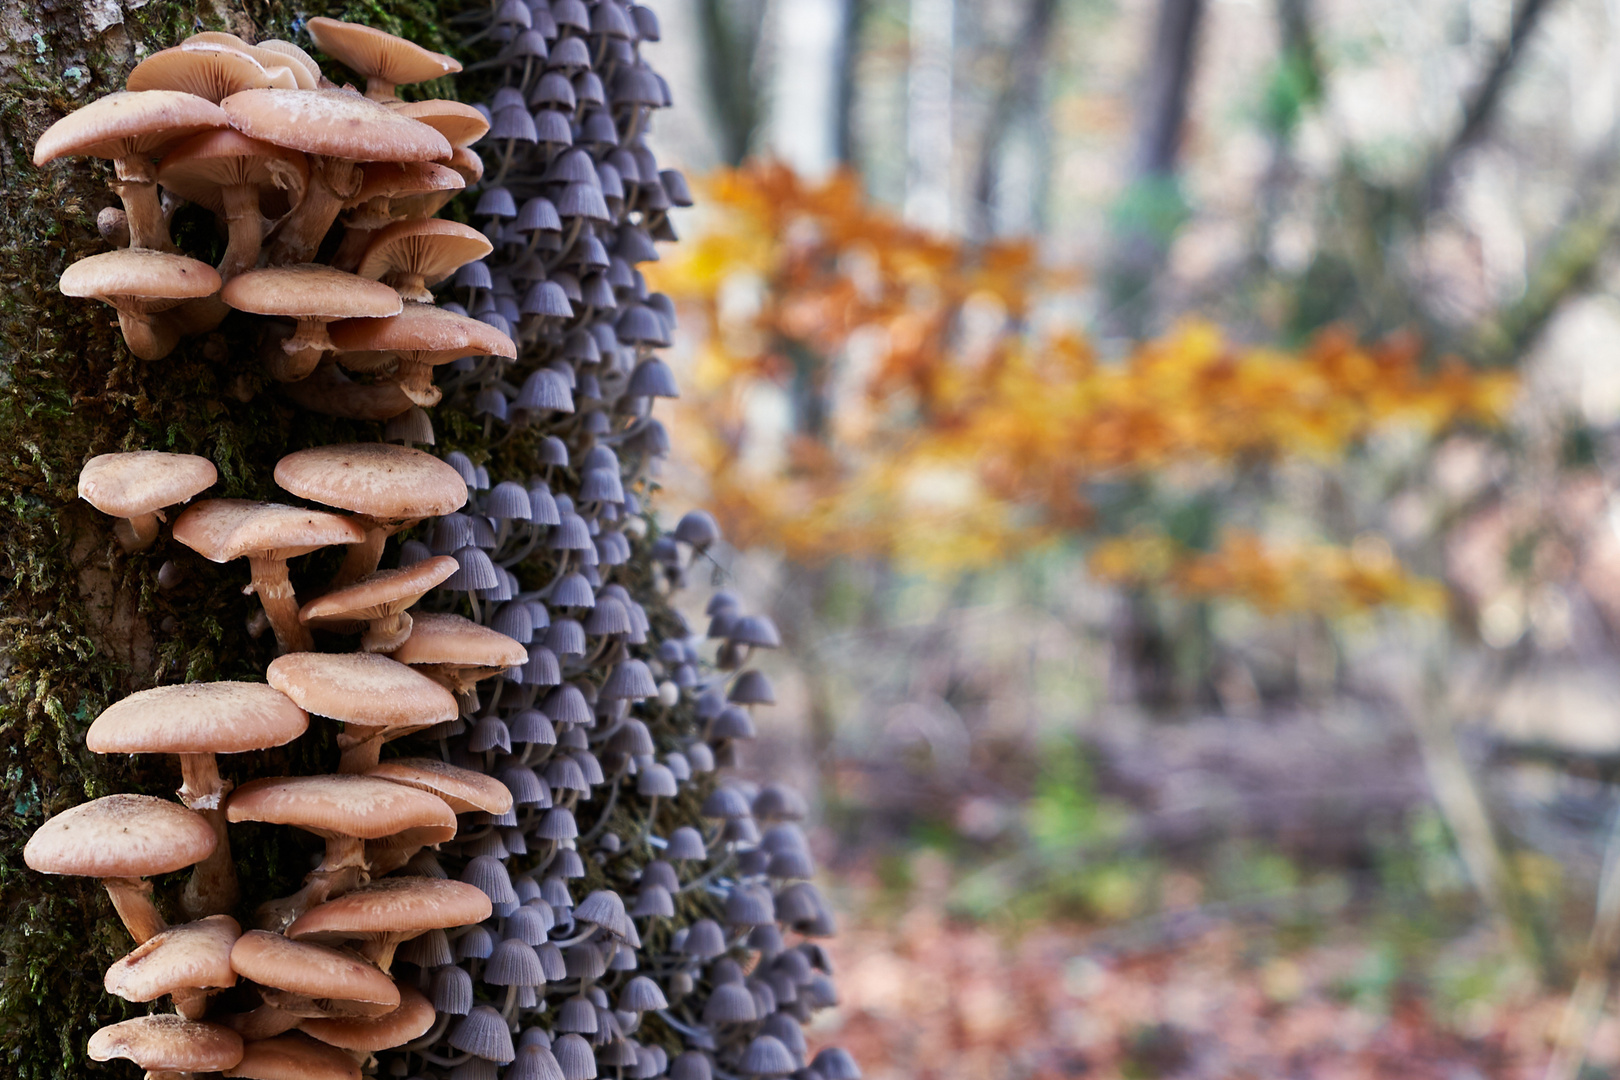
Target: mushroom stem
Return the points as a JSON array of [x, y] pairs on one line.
[[332, 182], [191, 1004], [262, 1023], [136, 185], [416, 382], [409, 285], [244, 229], [352, 247], [149, 336], [137, 533], [212, 889], [380, 951], [361, 559], [275, 592], [299, 355], [387, 633], [132, 899], [379, 89], [361, 750]]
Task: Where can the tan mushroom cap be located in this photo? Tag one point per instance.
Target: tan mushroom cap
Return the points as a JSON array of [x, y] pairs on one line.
[[224, 529], [400, 179], [129, 124], [196, 955], [141, 481], [363, 689], [382, 481], [462, 789], [317, 971], [428, 248], [424, 333], [168, 1043], [198, 718], [394, 908], [467, 162], [411, 1020], [303, 72], [201, 168], [378, 55], [211, 70], [333, 123], [387, 592], [361, 807], [294, 1056], [298, 59], [462, 125], [309, 291], [442, 638], [140, 279], [332, 393], [121, 836]]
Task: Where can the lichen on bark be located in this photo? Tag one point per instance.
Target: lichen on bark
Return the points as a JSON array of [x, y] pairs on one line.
[[81, 623]]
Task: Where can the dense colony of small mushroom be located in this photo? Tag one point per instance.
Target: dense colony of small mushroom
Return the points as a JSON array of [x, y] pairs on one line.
[[551, 884]]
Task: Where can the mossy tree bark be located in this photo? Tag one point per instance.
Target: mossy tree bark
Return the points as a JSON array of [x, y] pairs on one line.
[[81, 623]]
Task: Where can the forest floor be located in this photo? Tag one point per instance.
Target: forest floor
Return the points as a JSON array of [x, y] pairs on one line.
[[925, 997]]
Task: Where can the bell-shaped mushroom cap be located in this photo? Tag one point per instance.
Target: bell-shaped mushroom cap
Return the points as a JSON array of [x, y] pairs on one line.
[[121, 836], [140, 278], [450, 639], [423, 328], [362, 689], [224, 529], [394, 907], [141, 481], [382, 481], [461, 124], [294, 1056], [333, 123], [168, 1043], [129, 124], [355, 806], [413, 1018], [317, 971], [387, 592], [309, 292], [198, 718], [766, 1056], [378, 55], [202, 167], [463, 789], [429, 248], [835, 1063], [196, 955], [210, 70]]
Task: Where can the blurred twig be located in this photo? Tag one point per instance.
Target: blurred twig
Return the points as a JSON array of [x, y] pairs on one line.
[[1024, 66], [1597, 970]]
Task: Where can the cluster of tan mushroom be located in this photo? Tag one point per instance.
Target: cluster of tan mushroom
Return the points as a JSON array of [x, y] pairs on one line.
[[257, 136], [254, 133]]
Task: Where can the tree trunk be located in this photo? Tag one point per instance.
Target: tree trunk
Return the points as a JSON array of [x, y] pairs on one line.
[[81, 623]]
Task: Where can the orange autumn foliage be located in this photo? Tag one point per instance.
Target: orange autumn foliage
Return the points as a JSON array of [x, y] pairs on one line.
[[863, 387]]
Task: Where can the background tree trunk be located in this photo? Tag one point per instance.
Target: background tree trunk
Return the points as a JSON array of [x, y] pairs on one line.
[[81, 623]]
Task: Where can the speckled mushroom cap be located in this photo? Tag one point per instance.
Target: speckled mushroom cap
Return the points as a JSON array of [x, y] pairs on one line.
[[420, 330], [386, 592], [224, 529], [393, 907], [198, 718], [333, 123], [430, 248], [195, 955], [317, 971], [209, 69], [294, 1056], [121, 836], [463, 789], [377, 54], [362, 689], [129, 124], [199, 169], [140, 277], [460, 124], [168, 1043], [363, 807], [310, 291], [382, 481], [140, 481], [413, 1017], [442, 638]]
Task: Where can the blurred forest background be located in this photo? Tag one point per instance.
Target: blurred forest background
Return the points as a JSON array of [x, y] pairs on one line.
[[1173, 438]]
